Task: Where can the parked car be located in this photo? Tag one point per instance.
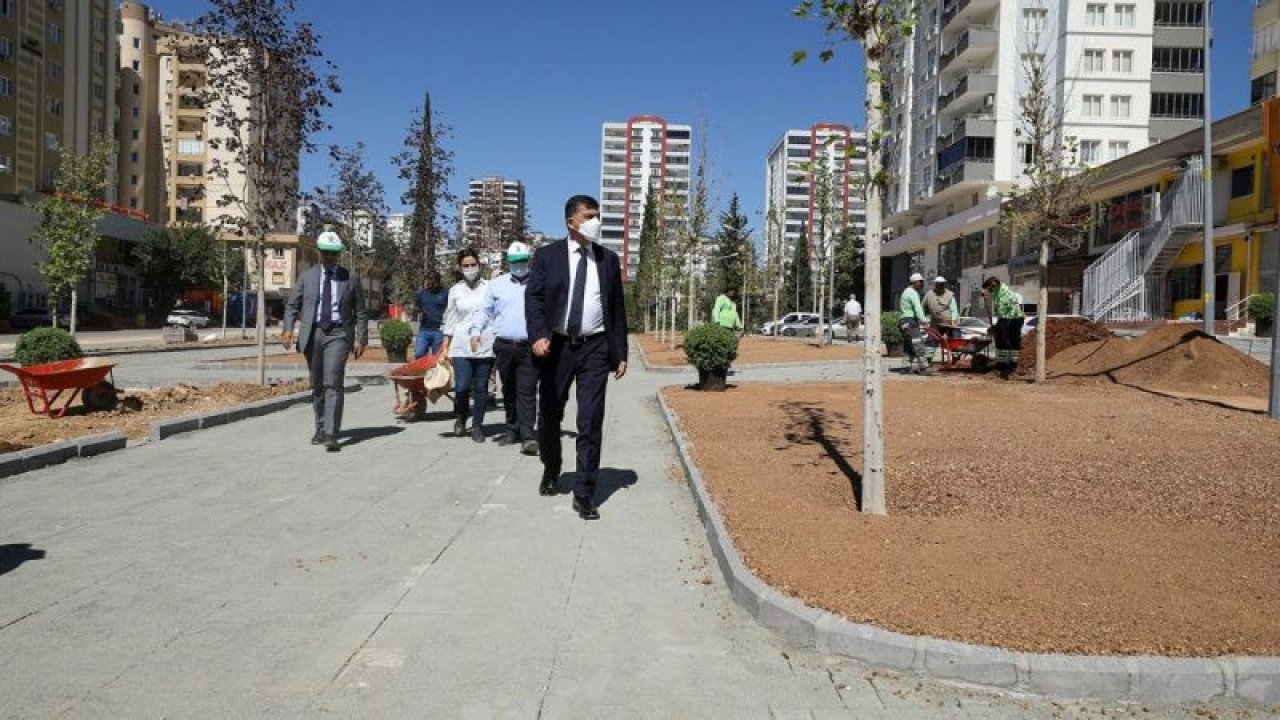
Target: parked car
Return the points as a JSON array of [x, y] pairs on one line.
[[187, 318], [28, 318], [972, 328], [805, 324]]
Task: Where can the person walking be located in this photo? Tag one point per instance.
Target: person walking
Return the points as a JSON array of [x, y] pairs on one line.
[[1007, 330], [725, 311], [431, 301], [577, 321], [329, 300], [913, 317], [472, 362], [502, 312], [852, 317]]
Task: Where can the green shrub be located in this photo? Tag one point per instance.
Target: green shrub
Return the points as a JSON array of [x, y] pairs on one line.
[[711, 347], [46, 345], [396, 335], [890, 333], [1262, 306]]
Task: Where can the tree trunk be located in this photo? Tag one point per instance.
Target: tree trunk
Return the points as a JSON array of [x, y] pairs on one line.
[[1042, 311], [260, 256], [873, 470], [226, 281], [74, 295]]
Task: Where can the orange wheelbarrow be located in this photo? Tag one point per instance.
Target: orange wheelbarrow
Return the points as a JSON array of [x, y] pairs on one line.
[[84, 377], [424, 381]]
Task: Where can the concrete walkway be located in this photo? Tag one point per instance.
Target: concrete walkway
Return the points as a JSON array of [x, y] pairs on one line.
[[242, 573]]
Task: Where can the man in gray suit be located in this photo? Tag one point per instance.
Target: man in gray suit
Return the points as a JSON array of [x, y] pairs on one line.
[[335, 323]]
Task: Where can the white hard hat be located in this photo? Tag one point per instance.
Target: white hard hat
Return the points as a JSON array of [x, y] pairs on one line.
[[916, 277], [518, 252], [940, 279], [329, 241]]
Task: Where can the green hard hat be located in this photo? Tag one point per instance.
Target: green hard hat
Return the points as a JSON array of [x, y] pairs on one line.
[[329, 241]]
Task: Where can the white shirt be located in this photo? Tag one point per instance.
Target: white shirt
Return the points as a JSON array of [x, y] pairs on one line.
[[853, 308], [592, 305], [464, 303], [334, 315]]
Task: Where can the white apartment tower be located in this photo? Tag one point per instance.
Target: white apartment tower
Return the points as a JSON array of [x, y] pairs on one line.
[[642, 155], [1123, 74], [493, 213], [794, 179]]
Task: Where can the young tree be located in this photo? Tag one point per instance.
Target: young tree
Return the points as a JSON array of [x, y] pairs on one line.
[[175, 259], [357, 205], [649, 270], [1048, 209], [848, 276], [267, 87], [427, 166], [698, 218], [731, 244], [877, 26], [798, 286], [68, 229]]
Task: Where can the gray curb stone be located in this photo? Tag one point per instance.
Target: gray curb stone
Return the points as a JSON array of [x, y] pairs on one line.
[[1143, 679], [162, 429], [91, 445], [35, 458]]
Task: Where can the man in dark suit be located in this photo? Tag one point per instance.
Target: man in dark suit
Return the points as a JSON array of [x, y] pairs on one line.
[[577, 323], [335, 323]]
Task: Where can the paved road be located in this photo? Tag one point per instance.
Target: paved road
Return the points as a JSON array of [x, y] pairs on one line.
[[241, 573]]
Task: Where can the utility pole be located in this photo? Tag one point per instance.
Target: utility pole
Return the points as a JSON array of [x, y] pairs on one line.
[[1210, 276]]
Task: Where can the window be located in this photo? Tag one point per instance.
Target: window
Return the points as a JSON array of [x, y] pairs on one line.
[[1033, 19], [6, 164], [6, 125], [1121, 107], [133, 179], [137, 43], [54, 70], [100, 91], [1027, 152], [1095, 15], [1242, 182], [133, 134], [136, 65], [6, 49], [1117, 149], [1122, 61], [1095, 61], [1125, 15], [55, 106], [1184, 282], [134, 111], [1180, 13], [133, 157], [100, 58], [54, 33], [1262, 88], [55, 5], [6, 86], [6, 8], [1177, 105], [1091, 106], [1177, 59], [99, 24], [52, 141], [1090, 151]]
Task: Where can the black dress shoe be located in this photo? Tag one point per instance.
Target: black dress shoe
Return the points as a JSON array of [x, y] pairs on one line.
[[477, 434], [318, 438], [529, 447], [550, 476], [331, 443], [459, 428], [507, 438], [585, 508]]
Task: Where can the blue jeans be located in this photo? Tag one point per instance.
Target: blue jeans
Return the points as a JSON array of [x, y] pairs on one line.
[[428, 341], [471, 383]]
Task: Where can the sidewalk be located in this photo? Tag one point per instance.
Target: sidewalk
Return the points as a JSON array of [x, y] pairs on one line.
[[241, 572]]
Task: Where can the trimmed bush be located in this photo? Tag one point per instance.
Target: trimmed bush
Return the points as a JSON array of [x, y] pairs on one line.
[[396, 335], [46, 345], [1263, 306], [890, 333], [711, 347]]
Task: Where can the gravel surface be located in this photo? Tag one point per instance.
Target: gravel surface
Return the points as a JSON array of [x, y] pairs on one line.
[[1063, 333], [754, 350], [1057, 518]]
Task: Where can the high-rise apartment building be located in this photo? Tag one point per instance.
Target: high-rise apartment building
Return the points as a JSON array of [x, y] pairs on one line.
[[57, 86], [493, 214], [1265, 61], [642, 155], [1121, 75], [802, 165]]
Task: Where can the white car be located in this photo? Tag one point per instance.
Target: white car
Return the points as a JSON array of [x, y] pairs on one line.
[[187, 318], [792, 324]]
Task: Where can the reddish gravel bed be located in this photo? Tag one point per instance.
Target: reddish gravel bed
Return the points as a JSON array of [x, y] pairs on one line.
[[1151, 525], [1063, 333], [752, 350]]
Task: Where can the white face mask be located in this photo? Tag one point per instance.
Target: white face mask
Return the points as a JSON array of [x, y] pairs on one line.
[[520, 269], [590, 229], [471, 274]]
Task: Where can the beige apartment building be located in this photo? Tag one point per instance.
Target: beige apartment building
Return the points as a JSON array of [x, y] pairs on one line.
[[1265, 59]]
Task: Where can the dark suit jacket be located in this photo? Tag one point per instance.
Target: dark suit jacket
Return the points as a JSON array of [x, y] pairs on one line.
[[546, 298], [302, 304]]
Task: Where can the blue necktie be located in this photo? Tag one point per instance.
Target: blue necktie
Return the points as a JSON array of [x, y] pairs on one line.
[[574, 326], [326, 302]]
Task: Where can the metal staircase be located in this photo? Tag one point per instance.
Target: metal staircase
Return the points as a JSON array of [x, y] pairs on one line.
[[1126, 282]]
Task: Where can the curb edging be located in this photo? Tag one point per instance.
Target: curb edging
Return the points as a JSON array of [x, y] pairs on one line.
[[56, 453], [1154, 679], [163, 429]]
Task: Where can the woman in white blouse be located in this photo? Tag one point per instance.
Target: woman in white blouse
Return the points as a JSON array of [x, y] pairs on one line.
[[471, 368]]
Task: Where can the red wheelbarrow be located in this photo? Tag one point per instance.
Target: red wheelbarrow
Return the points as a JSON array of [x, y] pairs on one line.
[[82, 376], [424, 380]]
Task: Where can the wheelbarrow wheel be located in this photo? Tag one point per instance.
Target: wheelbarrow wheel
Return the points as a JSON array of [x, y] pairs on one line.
[[980, 363], [99, 397]]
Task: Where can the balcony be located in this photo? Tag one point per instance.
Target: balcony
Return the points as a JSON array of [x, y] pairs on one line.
[[975, 46], [966, 11], [969, 95], [969, 169], [979, 125]]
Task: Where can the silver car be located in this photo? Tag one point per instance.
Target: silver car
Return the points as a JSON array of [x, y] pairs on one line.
[[187, 318]]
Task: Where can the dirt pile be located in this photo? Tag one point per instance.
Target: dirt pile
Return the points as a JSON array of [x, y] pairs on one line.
[[1171, 357], [1063, 333]]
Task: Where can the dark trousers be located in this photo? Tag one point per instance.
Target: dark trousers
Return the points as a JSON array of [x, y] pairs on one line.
[[519, 386], [912, 339], [471, 388], [587, 366], [326, 354], [1008, 341]]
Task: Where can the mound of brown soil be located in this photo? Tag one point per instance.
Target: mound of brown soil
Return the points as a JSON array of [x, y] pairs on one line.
[[1063, 333], [1170, 357]]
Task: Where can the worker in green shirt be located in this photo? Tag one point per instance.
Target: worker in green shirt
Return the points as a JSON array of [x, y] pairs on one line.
[[1007, 329], [913, 317], [725, 313]]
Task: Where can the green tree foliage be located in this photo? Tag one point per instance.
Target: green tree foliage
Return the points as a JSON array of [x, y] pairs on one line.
[[45, 345], [797, 290], [175, 259], [356, 205], [732, 241], [427, 166], [848, 264], [649, 271], [68, 229]]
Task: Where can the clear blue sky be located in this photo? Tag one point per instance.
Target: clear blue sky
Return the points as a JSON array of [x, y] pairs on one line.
[[526, 85]]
